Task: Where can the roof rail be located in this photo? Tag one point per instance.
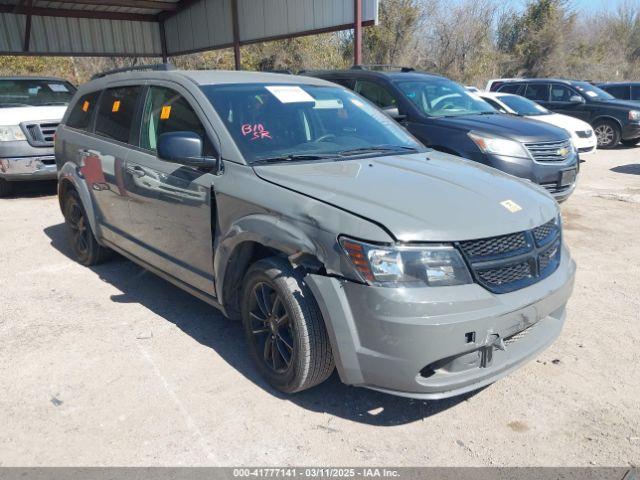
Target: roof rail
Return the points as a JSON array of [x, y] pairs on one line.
[[155, 66], [383, 67]]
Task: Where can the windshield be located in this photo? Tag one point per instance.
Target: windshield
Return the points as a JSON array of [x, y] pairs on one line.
[[444, 98], [282, 122], [523, 106], [34, 92], [592, 92]]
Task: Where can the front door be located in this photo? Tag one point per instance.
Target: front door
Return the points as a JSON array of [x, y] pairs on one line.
[[560, 102], [170, 204]]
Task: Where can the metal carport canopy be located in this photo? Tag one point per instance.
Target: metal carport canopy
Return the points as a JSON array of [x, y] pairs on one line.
[[162, 28]]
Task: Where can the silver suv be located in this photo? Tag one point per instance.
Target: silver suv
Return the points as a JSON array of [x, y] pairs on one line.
[[299, 208]]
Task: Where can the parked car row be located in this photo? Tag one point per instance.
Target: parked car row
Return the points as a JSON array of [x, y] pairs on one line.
[[614, 120]]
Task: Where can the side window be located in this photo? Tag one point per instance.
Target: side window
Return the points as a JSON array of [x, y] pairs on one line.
[[635, 92], [375, 93], [561, 93], [116, 111], [509, 88], [167, 111], [494, 104], [619, 91], [537, 91], [345, 82], [82, 112]]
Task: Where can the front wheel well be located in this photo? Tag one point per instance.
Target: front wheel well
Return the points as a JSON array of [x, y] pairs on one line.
[[243, 256]]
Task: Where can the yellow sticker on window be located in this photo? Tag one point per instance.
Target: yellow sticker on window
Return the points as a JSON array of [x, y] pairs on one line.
[[85, 106], [116, 106], [165, 113]]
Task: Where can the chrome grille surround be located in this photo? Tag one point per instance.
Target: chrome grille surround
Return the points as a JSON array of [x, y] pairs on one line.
[[40, 134], [550, 151], [510, 262]]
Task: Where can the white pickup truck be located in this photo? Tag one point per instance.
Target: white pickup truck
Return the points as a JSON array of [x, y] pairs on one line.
[[30, 110]]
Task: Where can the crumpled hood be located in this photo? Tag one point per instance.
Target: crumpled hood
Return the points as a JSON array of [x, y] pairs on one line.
[[508, 126], [16, 115], [429, 196]]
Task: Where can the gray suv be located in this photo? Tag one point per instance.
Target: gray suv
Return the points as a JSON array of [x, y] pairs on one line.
[[339, 241]]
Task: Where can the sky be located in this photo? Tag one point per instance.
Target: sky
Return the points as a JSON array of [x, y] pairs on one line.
[[588, 6]]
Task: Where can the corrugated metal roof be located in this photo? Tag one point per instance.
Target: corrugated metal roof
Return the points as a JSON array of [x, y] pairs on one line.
[[132, 27]]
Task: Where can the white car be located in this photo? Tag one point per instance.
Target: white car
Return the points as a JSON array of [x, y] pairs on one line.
[[30, 111], [581, 132]]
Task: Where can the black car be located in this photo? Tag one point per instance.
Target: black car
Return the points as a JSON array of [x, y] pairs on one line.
[[613, 120], [622, 90], [447, 117]]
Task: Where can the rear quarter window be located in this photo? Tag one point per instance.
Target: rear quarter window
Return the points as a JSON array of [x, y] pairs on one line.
[[82, 111]]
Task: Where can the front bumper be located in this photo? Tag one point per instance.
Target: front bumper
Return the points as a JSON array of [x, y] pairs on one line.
[[545, 174], [631, 130], [21, 161], [585, 146], [432, 343]]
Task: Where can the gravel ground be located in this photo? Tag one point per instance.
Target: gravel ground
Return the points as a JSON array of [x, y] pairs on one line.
[[113, 366]]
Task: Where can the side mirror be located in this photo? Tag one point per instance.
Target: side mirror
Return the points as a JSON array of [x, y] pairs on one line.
[[185, 148], [576, 99], [394, 113]]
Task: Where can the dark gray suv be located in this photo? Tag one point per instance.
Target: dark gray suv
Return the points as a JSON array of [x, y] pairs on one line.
[[447, 117], [332, 234]]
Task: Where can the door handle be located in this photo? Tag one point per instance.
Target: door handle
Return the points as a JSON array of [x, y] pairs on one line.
[[136, 171]]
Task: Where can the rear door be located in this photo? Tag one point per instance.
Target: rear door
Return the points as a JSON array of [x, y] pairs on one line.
[[538, 92], [104, 157], [171, 204]]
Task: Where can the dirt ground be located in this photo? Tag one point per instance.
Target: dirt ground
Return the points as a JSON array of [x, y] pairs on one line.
[[114, 366]]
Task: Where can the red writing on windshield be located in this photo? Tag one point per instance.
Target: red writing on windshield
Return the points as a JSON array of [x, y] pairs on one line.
[[256, 130]]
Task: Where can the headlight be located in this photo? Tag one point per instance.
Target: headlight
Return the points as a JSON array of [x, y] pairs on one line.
[[406, 266], [10, 133], [634, 115], [499, 146]]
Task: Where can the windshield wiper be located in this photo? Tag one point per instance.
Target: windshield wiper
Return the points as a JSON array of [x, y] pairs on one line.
[[13, 104], [381, 148], [292, 158]]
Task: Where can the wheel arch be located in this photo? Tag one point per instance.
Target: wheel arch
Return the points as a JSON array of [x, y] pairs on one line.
[[69, 178], [254, 238], [607, 118]]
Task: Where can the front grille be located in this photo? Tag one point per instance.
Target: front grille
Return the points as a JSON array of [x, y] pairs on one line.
[[550, 151], [585, 133], [510, 262], [490, 247], [40, 134], [586, 149], [506, 274], [554, 188]]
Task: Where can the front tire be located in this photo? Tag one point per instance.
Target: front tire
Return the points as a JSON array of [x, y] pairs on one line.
[[607, 133], [83, 243], [5, 188], [284, 329]]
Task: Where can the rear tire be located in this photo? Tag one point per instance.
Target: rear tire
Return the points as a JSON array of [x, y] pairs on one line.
[[631, 142], [608, 134], [83, 243], [5, 188], [284, 329]]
